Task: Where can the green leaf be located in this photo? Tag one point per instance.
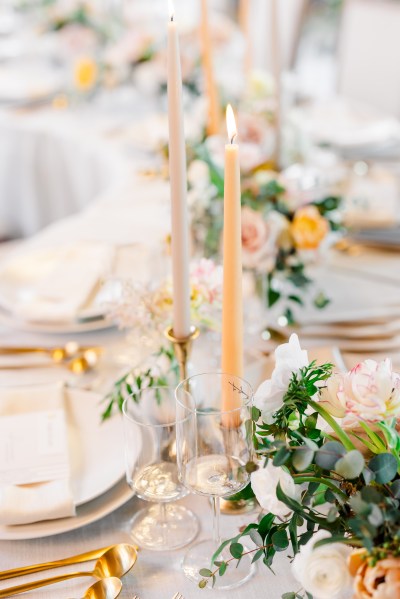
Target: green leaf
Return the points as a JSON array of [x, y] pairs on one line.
[[280, 540], [205, 572], [202, 584], [281, 456], [351, 465], [256, 537], [255, 413], [273, 297], [395, 488], [311, 421], [329, 454], [257, 555], [265, 524], [321, 301], [289, 596], [384, 467], [302, 458], [222, 568], [236, 550]]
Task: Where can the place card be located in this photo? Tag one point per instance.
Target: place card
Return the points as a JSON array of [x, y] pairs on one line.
[[33, 447]]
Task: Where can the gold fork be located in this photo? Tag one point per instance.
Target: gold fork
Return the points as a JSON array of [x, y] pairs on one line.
[[178, 595]]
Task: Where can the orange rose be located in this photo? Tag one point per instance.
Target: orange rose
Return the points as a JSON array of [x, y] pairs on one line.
[[309, 228], [378, 582]]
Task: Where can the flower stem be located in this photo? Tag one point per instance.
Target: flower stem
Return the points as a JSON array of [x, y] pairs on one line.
[[342, 436]]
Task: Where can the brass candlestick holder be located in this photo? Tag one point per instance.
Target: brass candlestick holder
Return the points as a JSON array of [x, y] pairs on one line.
[[182, 348]]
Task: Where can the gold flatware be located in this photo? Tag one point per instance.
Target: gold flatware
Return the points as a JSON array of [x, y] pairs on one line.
[[107, 588], [68, 561], [116, 561], [78, 365], [178, 596], [58, 354]]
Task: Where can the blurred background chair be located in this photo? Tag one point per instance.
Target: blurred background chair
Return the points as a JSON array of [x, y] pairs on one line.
[[369, 46]]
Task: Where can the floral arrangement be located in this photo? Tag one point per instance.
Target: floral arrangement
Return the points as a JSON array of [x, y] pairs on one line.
[[147, 308], [148, 311], [327, 477], [283, 229]]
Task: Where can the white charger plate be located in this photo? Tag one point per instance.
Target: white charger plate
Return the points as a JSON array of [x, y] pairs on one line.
[[97, 467]]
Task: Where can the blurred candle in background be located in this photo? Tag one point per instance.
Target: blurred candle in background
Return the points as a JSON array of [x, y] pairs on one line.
[[213, 121]]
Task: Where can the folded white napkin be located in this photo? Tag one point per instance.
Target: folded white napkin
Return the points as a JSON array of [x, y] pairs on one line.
[[47, 500], [59, 294]]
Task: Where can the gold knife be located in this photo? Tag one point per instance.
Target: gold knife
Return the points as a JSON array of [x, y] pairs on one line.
[[75, 559]]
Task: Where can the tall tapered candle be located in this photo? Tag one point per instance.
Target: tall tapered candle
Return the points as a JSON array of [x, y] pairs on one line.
[[277, 73], [232, 302], [178, 180], [213, 121], [244, 24]]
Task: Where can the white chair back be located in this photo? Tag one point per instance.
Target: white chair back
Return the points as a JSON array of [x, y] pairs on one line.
[[369, 50]]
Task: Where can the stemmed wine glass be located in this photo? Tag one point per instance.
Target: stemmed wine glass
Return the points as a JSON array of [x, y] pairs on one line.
[[151, 471], [212, 452]]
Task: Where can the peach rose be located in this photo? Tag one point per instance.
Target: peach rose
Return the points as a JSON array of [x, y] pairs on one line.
[[378, 582], [309, 228]]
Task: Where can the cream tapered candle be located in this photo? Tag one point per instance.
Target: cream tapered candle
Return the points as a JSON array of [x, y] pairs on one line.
[[232, 302], [178, 180], [213, 121], [277, 73]]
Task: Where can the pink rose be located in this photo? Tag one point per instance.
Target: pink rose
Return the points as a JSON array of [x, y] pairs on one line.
[[260, 238], [369, 392]]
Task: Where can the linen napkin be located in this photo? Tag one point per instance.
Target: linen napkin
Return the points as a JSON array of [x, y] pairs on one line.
[[59, 294], [50, 498]]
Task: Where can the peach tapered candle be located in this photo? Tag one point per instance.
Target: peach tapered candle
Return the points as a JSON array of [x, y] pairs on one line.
[[232, 303], [213, 121]]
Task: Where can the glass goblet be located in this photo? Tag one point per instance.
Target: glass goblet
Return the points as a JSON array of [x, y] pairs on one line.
[[151, 471], [212, 452]]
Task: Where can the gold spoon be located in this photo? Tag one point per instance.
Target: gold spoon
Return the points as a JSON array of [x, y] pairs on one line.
[[116, 561], [107, 588]]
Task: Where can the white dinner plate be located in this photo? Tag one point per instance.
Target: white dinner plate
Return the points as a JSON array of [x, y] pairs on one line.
[[20, 273], [55, 328], [96, 462]]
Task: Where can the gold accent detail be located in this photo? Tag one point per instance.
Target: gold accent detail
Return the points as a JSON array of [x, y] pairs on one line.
[[182, 348]]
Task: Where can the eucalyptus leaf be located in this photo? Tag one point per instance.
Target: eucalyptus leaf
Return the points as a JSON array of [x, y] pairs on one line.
[[329, 454], [281, 457], [302, 458], [351, 465], [256, 537], [384, 466], [280, 540], [236, 550]]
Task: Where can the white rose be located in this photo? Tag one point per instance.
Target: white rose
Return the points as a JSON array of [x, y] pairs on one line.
[[264, 482], [323, 571], [289, 359]]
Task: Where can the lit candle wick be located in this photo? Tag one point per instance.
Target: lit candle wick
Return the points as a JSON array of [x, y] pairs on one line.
[[231, 124]]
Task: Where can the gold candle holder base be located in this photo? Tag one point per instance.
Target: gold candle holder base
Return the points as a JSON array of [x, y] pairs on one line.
[[182, 348], [235, 507]]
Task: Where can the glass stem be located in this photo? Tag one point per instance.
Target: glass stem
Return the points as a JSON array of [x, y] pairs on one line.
[[163, 521], [216, 515]]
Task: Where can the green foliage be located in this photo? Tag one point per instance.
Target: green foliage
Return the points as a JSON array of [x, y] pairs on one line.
[[134, 381], [361, 496]]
